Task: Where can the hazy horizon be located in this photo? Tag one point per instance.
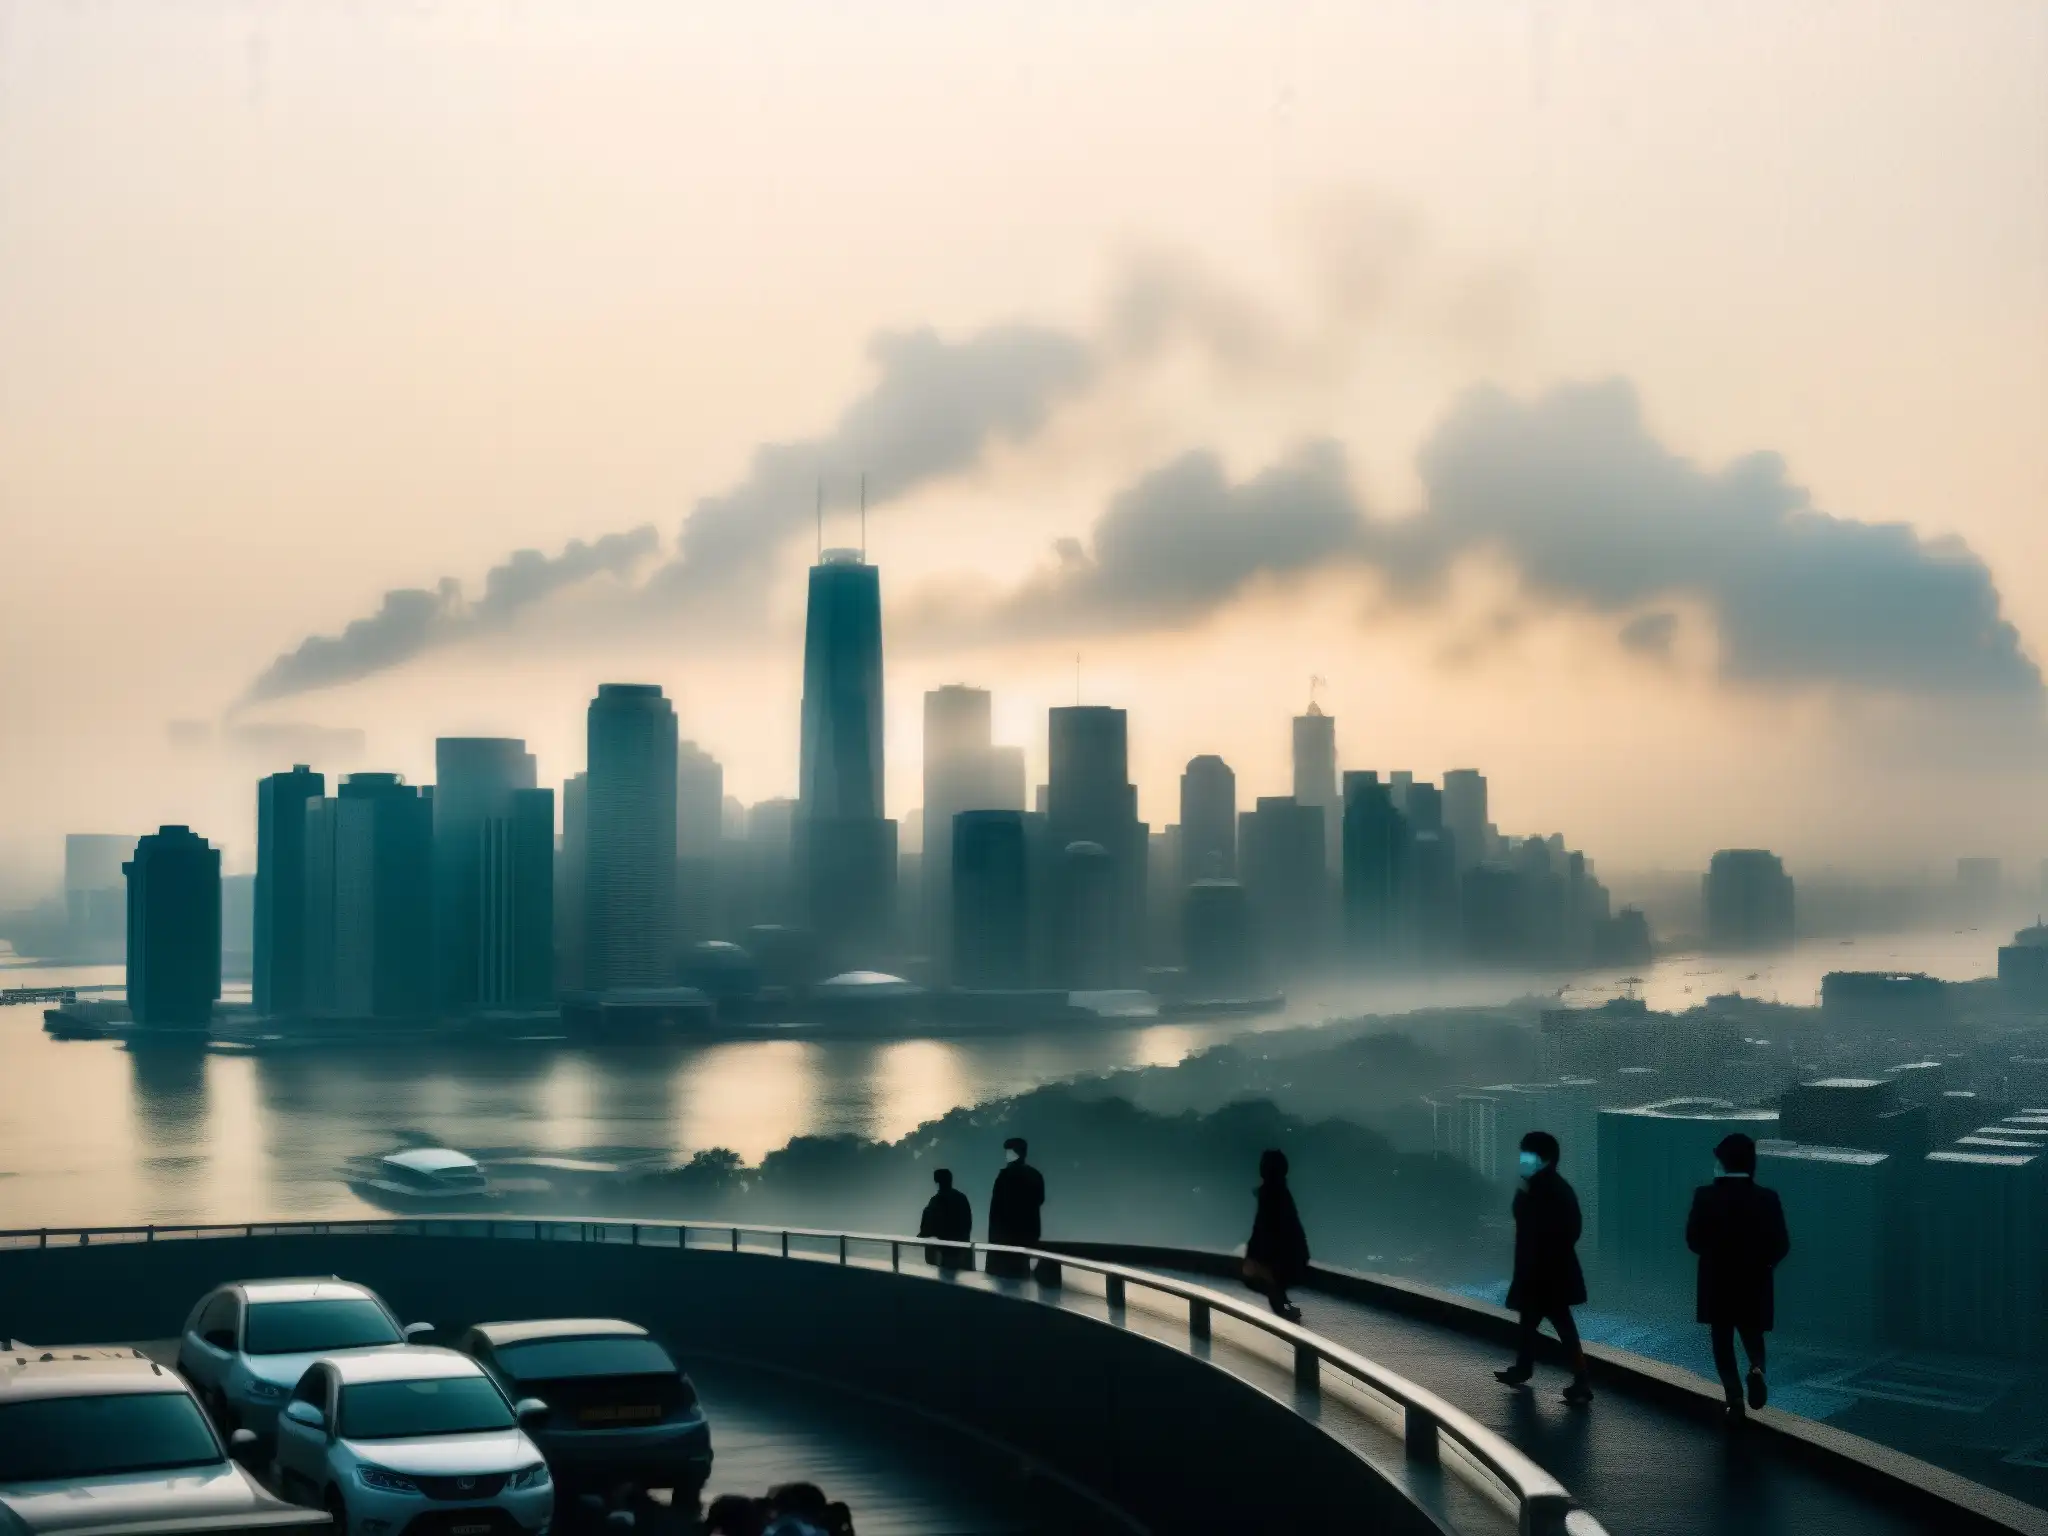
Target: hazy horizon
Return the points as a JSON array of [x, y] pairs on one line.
[[1639, 404]]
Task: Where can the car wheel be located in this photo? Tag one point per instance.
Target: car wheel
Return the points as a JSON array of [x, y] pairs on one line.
[[337, 1511]]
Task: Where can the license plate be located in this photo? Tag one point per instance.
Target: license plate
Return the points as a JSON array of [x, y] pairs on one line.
[[638, 1413], [470, 1530]]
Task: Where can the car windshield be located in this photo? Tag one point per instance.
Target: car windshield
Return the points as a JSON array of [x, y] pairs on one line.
[[399, 1410], [55, 1438], [556, 1359], [315, 1327]]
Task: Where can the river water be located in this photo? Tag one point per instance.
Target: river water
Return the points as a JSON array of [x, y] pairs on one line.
[[92, 1134]]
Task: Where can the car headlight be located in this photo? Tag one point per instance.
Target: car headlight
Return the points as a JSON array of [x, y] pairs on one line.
[[265, 1391], [535, 1476], [386, 1482]]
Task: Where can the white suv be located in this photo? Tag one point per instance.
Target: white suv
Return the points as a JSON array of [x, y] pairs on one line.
[[247, 1344], [402, 1442], [105, 1440]]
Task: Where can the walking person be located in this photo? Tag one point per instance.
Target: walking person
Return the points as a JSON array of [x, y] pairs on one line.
[[1276, 1256], [1548, 1282], [948, 1217], [1013, 1210], [1737, 1227]]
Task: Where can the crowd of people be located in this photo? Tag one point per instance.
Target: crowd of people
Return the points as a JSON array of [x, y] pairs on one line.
[[794, 1509], [1736, 1227]]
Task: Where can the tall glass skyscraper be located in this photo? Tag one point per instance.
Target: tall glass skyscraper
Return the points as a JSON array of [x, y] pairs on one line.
[[475, 780], [845, 848], [629, 879], [280, 957]]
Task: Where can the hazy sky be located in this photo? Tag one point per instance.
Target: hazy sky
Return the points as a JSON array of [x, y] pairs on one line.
[[1642, 400]]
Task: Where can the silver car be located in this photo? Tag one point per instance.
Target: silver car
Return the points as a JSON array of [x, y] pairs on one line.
[[105, 1439], [246, 1345], [410, 1440]]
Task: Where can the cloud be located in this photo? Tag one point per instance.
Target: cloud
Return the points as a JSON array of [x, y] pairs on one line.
[[412, 620], [1178, 544], [1573, 493], [934, 409], [1594, 513]]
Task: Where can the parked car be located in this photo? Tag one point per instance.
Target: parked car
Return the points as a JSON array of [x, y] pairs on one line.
[[412, 1440], [247, 1344], [620, 1410], [106, 1440]]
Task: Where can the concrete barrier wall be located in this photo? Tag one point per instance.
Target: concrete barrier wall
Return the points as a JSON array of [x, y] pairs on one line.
[[1178, 1444]]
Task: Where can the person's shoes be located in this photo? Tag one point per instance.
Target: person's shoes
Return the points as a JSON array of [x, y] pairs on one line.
[[1579, 1393], [1759, 1394], [1515, 1375], [1288, 1310]]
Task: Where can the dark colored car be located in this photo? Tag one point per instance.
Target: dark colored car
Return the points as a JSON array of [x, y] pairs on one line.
[[620, 1410]]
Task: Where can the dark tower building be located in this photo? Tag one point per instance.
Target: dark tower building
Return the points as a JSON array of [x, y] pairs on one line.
[[1208, 821], [1748, 901], [1434, 914], [369, 900], [1220, 939], [280, 949], [516, 932], [700, 839], [1281, 841], [1090, 900], [475, 778], [1465, 816], [1090, 799], [1377, 846], [991, 896], [570, 885], [963, 771], [629, 877], [845, 849], [173, 930]]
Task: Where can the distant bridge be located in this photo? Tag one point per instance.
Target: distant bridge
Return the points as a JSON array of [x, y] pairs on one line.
[[12, 995]]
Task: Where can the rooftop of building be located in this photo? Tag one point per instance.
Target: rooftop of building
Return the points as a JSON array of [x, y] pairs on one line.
[[1801, 1152], [1697, 1109]]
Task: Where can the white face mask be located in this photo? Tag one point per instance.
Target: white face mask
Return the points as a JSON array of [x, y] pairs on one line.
[[1531, 1165], [1011, 1154]]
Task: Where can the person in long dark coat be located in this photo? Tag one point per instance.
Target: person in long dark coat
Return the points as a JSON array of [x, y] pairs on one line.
[[1548, 1282], [948, 1217], [1737, 1227], [1276, 1256], [1013, 1210]]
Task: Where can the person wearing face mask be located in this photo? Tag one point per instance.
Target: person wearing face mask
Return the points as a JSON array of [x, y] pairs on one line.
[[1548, 1282], [1013, 1208], [1737, 1227]]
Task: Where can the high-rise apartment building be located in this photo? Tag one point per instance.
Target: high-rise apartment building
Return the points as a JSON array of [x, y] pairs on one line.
[[173, 880], [369, 865], [963, 771], [1208, 820], [571, 886], [1282, 844], [1465, 816], [516, 888], [279, 988], [1090, 800], [475, 779], [990, 890], [629, 926], [1315, 776], [1377, 852]]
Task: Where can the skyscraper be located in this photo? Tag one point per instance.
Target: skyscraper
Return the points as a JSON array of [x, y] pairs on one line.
[[1281, 841], [700, 836], [280, 961], [95, 899], [1315, 774], [369, 864], [1376, 858], [1464, 813], [1208, 820], [629, 928], [570, 883], [1433, 906], [991, 895], [475, 778], [963, 771], [1090, 799], [515, 940], [173, 929], [1748, 901], [845, 849]]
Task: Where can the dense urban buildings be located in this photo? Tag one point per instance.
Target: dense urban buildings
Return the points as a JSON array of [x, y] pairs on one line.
[[279, 981], [173, 895], [369, 863], [629, 857], [964, 770]]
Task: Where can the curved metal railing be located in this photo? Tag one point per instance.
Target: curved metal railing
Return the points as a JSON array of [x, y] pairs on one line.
[[1544, 1507]]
